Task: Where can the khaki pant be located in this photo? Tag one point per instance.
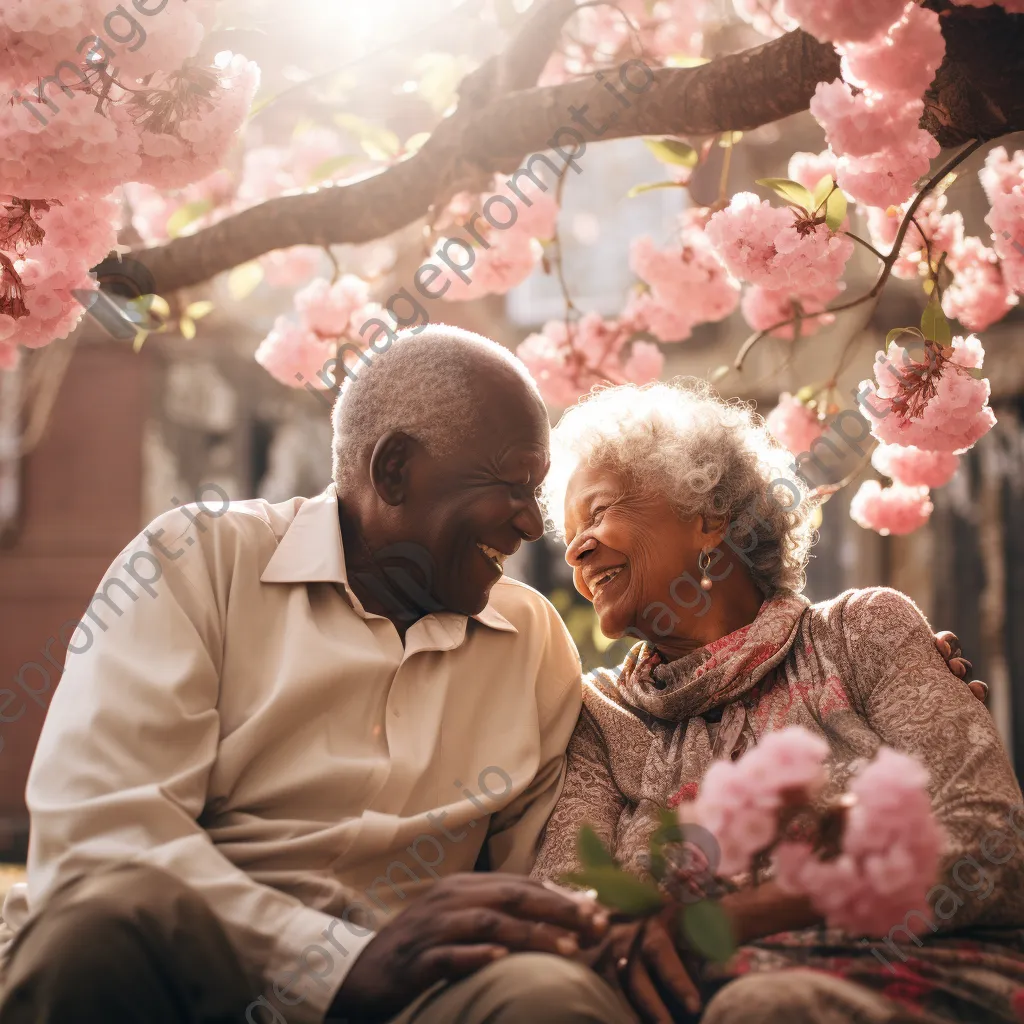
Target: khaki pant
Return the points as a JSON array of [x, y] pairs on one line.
[[134, 945]]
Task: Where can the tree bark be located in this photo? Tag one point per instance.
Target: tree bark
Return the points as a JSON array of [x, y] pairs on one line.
[[500, 122]]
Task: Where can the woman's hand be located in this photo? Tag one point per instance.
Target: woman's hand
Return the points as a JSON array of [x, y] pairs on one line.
[[639, 958], [948, 645]]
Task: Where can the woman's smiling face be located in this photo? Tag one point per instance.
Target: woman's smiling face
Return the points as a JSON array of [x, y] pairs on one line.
[[626, 549]]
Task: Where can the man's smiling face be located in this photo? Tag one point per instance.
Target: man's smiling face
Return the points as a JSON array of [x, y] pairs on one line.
[[471, 509]]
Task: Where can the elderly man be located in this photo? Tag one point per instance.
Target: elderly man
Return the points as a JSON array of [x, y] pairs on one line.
[[329, 705]]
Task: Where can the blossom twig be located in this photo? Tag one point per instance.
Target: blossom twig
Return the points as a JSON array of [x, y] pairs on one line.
[[888, 262]]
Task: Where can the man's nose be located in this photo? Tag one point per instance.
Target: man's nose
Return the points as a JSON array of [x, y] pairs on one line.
[[529, 521]]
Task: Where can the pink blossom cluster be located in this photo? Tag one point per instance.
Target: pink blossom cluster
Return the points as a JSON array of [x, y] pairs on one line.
[[506, 240], [600, 35], [914, 467], [76, 236], [764, 307], [793, 424], [834, 21], [295, 353], [891, 850], [1002, 178], [567, 360], [978, 295], [688, 285], [151, 208], [896, 509], [766, 16], [890, 52], [776, 247], [809, 168], [739, 801], [201, 142], [38, 36], [934, 403]]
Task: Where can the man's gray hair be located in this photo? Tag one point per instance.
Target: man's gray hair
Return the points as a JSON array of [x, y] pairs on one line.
[[424, 384]]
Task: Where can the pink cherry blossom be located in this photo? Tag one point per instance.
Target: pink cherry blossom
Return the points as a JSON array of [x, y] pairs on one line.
[[888, 177], [810, 168], [328, 309], [1002, 178], [770, 246], [897, 509], [841, 22], [767, 16], [793, 425], [979, 295], [914, 467], [688, 285], [739, 801], [496, 270], [291, 349], [763, 307], [292, 267], [934, 403], [890, 853], [644, 364], [904, 59], [866, 123], [944, 232]]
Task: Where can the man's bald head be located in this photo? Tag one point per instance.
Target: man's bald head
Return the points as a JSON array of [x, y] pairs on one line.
[[440, 386]]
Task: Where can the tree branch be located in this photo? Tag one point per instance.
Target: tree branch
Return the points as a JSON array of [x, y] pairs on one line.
[[492, 133]]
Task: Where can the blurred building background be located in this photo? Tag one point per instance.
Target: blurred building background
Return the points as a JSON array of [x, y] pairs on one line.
[[96, 439]]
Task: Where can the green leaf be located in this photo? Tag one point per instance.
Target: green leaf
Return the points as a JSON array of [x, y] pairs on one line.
[[326, 170], [718, 373], [650, 186], [897, 332], [822, 190], [673, 151], [185, 215], [244, 279], [792, 191], [934, 325], [681, 60], [140, 339], [619, 890], [187, 327], [669, 829], [730, 139], [414, 143], [835, 209], [592, 851], [197, 310], [708, 929]]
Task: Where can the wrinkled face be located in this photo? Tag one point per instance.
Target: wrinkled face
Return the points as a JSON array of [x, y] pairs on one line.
[[472, 509], [627, 551]]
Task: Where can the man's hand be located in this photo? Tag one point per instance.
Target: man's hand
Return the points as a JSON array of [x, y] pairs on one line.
[[639, 958], [464, 923], [948, 645]]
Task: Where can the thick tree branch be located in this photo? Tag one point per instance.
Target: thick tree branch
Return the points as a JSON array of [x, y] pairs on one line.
[[495, 129]]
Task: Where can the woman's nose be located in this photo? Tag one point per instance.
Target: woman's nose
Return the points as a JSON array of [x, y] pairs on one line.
[[578, 550]]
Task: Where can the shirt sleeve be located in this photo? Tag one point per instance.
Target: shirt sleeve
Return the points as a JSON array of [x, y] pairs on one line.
[[516, 829], [122, 766], [915, 705], [590, 796]]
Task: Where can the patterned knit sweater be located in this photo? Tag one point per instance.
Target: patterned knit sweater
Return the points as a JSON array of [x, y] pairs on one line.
[[860, 670]]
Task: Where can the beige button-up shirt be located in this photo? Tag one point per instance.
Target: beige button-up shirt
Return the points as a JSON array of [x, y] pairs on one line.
[[242, 722]]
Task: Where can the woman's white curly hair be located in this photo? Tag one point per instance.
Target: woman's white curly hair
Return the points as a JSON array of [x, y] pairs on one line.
[[709, 457]]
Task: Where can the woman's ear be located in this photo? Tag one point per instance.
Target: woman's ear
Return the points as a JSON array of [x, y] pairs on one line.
[[389, 466], [714, 529]]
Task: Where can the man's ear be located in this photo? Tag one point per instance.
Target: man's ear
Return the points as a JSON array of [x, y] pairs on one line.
[[389, 466]]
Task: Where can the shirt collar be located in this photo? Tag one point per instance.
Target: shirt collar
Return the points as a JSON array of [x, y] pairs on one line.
[[311, 551]]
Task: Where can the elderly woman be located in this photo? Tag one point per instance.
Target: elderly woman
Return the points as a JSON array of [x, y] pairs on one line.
[[685, 530]]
